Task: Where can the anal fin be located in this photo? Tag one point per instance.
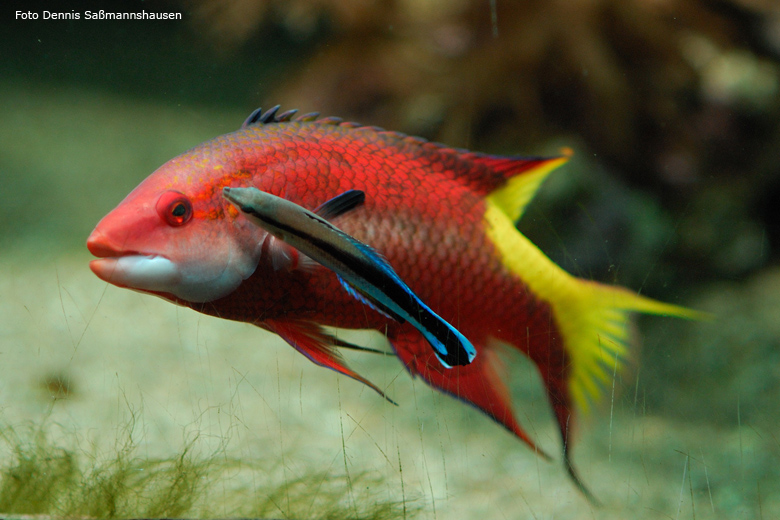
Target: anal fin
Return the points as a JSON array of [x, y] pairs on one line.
[[478, 384]]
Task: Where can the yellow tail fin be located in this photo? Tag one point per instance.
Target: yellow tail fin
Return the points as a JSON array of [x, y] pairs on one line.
[[593, 319]]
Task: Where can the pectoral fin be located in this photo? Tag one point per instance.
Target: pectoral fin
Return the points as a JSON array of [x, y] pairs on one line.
[[320, 347], [284, 257]]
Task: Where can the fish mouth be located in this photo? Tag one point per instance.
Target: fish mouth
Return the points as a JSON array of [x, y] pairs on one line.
[[137, 271], [131, 269], [101, 246], [187, 277]]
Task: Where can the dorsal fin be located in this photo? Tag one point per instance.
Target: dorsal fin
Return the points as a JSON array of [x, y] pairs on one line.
[[507, 165], [522, 178], [258, 117], [330, 120], [286, 115], [510, 181], [270, 115], [311, 116]]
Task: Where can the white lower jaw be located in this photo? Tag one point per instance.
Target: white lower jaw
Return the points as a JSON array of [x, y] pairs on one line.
[[151, 273], [161, 275]]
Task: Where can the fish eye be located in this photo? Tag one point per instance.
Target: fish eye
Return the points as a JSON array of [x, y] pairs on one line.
[[174, 208]]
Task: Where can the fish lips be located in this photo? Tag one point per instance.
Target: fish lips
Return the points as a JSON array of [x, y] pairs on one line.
[[130, 269], [137, 271], [159, 275]]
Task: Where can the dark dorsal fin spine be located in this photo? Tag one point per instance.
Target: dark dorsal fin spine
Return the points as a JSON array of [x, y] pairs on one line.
[[253, 117], [258, 117], [311, 116], [286, 116], [270, 116]]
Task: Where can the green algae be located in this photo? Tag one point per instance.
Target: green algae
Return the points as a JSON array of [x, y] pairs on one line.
[[39, 476]]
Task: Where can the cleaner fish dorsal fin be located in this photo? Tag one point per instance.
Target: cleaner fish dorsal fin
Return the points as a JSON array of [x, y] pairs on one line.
[[340, 204]]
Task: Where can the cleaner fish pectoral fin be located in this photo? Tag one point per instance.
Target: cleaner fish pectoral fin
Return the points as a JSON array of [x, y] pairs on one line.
[[358, 295]]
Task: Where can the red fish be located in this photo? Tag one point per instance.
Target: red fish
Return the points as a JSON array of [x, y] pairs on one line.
[[442, 217]]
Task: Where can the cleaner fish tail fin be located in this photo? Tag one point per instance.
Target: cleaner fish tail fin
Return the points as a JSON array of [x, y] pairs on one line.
[[450, 345]]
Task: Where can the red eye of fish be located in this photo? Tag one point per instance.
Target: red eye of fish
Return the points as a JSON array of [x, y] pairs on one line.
[[174, 208]]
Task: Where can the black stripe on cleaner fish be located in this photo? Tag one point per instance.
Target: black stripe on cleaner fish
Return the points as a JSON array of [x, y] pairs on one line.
[[360, 269]]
